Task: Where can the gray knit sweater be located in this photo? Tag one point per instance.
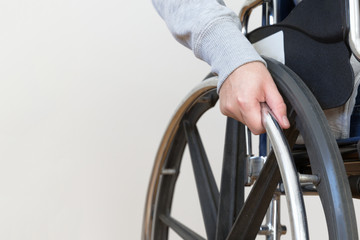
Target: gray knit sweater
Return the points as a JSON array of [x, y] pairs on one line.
[[211, 30]]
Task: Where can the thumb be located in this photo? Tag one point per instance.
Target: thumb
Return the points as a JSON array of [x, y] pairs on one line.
[[278, 107]]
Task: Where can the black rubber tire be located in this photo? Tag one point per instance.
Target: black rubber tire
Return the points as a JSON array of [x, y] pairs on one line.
[[325, 159]]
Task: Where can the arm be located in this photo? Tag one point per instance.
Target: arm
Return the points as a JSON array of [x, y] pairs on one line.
[[212, 31]]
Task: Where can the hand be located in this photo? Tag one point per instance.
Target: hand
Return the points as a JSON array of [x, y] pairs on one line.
[[244, 90]]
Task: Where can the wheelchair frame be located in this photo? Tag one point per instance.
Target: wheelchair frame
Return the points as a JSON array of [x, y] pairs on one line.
[[224, 211]]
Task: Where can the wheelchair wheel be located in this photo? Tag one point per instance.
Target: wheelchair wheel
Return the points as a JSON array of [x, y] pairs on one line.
[[226, 213]]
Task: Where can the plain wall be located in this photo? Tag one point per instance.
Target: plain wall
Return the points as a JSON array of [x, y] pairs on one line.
[[86, 91]]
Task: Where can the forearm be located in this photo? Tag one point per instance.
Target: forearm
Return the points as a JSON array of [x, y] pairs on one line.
[[211, 30]]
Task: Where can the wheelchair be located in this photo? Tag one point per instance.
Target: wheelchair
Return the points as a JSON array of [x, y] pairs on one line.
[[319, 166]]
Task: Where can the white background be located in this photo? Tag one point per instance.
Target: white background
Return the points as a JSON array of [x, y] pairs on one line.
[[86, 91]]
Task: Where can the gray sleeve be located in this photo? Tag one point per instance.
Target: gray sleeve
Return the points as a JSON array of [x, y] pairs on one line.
[[211, 30]]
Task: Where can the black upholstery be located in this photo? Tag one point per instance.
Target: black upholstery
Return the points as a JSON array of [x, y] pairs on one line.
[[323, 20], [315, 49]]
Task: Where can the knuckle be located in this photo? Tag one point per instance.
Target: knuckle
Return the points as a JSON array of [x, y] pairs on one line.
[[255, 125], [226, 108], [242, 102], [254, 130], [258, 130]]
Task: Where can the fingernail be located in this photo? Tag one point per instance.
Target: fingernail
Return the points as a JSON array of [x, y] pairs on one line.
[[286, 121]]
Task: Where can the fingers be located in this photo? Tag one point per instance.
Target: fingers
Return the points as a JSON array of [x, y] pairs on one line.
[[251, 112], [246, 112]]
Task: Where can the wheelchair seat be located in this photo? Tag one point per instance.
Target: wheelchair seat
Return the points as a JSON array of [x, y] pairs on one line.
[[315, 49]]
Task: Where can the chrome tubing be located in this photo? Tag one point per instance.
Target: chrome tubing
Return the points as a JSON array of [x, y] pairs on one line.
[[245, 13], [354, 33], [289, 175], [270, 8], [273, 228]]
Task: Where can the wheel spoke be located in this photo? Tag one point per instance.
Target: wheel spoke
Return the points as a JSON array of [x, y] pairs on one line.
[[182, 230], [249, 220], [232, 192], [205, 181]]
